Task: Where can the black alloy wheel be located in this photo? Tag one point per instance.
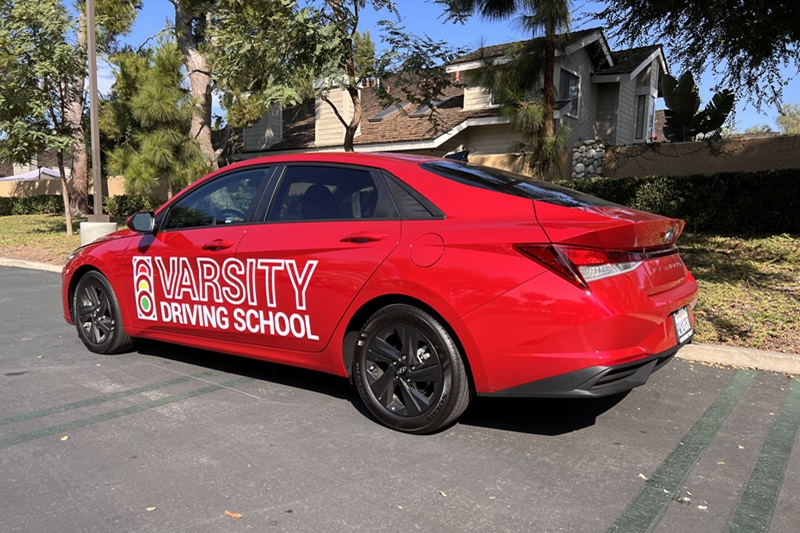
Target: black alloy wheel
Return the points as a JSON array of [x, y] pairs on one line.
[[97, 317], [409, 371]]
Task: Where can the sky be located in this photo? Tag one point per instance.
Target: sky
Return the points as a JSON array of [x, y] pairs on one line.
[[421, 17]]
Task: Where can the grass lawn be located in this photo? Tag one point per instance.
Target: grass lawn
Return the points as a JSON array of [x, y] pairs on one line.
[[749, 286]]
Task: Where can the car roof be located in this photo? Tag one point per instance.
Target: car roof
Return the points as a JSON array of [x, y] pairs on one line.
[[354, 158]]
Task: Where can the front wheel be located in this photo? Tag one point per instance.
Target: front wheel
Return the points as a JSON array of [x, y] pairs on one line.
[[97, 317], [409, 371]]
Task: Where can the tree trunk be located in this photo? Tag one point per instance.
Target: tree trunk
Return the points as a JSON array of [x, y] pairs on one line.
[[351, 128], [549, 85], [199, 79], [65, 192], [79, 203]]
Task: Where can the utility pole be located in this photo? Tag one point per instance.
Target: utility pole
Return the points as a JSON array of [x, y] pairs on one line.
[[98, 224]]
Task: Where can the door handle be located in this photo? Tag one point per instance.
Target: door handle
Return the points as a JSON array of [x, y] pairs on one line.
[[217, 244], [364, 236]]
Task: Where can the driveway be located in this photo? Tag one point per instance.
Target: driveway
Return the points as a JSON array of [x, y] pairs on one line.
[[173, 439]]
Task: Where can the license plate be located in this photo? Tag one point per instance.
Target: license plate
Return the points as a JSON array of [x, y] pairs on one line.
[[683, 326]]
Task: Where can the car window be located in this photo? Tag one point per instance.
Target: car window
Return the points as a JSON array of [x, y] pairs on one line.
[[498, 180], [330, 193], [225, 200]]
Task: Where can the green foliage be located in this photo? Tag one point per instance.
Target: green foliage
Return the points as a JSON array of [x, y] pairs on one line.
[[789, 119], [41, 204], [37, 64], [146, 120], [264, 47], [758, 128], [745, 44], [414, 69], [126, 205], [727, 203], [684, 120]]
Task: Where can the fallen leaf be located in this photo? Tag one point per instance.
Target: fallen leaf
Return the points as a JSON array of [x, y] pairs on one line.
[[442, 493], [65, 437], [151, 509], [233, 515]]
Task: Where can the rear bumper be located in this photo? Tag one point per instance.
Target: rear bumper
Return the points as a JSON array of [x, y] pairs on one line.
[[594, 381]]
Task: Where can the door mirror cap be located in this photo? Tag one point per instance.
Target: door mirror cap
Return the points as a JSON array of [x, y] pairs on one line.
[[142, 222]]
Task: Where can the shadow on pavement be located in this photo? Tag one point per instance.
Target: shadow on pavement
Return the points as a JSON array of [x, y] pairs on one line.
[[540, 416]]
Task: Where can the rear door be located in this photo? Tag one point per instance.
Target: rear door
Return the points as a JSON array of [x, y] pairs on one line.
[[327, 230], [185, 277]]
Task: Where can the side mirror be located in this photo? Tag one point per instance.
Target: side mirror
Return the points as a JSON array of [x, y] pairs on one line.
[[142, 222]]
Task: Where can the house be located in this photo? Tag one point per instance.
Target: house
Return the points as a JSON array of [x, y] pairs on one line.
[[605, 95]]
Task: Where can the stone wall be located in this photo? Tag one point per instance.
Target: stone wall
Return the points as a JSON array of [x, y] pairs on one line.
[[588, 159]]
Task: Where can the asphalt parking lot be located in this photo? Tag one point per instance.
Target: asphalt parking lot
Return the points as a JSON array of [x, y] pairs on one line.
[[172, 439]]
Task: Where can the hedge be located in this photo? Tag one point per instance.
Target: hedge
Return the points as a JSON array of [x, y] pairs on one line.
[[51, 204], [726, 203]]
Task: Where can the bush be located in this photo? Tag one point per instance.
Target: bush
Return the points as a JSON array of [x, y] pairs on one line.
[[727, 203], [53, 204], [44, 204], [124, 205]]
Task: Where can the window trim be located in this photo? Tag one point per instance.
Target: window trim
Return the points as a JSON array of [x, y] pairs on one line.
[[269, 171], [270, 196], [578, 98]]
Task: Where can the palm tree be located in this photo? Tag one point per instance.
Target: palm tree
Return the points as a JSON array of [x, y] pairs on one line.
[[529, 103]]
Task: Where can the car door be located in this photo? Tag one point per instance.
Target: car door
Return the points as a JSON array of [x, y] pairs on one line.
[[327, 230], [185, 277]]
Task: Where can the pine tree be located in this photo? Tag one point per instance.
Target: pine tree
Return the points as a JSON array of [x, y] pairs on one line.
[[147, 119]]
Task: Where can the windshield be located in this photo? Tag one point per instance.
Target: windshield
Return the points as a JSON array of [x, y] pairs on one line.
[[505, 182]]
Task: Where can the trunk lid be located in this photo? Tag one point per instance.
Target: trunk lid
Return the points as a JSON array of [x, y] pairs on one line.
[[625, 234]]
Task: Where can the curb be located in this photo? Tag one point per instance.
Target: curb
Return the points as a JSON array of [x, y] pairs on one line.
[[741, 357], [33, 265], [703, 353]]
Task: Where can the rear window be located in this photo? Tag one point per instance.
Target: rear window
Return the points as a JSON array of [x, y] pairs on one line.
[[498, 180]]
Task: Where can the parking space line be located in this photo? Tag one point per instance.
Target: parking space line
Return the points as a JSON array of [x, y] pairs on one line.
[[102, 417], [104, 398], [757, 503], [652, 501]]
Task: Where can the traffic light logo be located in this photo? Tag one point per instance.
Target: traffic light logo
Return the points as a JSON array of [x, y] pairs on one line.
[[143, 282]]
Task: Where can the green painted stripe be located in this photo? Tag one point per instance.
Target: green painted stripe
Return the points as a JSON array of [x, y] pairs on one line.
[[754, 512], [646, 510], [64, 428], [104, 398]]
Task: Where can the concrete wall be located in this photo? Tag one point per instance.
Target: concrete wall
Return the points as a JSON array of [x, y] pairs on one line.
[[682, 159], [113, 186]]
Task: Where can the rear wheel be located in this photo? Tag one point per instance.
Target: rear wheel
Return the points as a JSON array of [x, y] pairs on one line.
[[97, 317], [409, 371]]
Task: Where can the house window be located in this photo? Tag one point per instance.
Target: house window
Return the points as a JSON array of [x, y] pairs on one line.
[[641, 113], [568, 89]]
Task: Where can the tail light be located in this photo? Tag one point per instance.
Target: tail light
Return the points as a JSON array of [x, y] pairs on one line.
[[581, 265]]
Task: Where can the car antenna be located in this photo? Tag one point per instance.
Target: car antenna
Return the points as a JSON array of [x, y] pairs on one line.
[[459, 156]]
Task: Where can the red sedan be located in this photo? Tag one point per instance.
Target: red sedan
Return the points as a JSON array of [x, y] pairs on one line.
[[426, 281]]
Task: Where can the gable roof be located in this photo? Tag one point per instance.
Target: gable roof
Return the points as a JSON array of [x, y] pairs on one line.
[[395, 128], [626, 61]]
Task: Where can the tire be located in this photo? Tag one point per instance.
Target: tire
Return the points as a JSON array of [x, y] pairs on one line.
[[409, 372], [97, 317]]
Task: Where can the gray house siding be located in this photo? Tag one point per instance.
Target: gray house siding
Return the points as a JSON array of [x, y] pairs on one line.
[[580, 63], [264, 133], [625, 112], [607, 99]]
